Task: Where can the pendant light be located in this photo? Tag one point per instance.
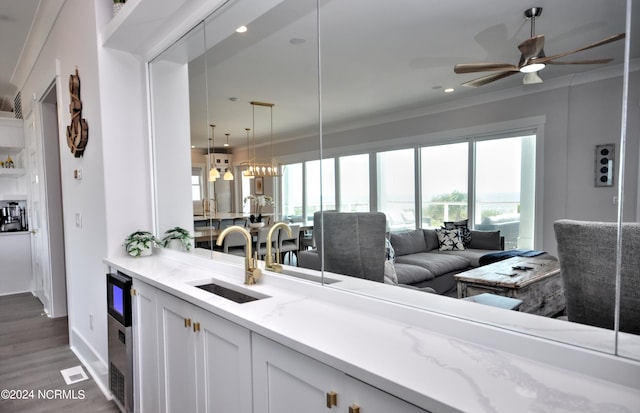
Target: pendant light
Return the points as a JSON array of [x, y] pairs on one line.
[[271, 167], [213, 172], [227, 143], [248, 173]]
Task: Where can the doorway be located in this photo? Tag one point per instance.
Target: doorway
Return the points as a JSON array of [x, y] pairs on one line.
[[45, 187]]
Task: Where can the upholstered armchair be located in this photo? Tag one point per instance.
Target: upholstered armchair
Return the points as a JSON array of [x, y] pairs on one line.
[[587, 255], [353, 243]]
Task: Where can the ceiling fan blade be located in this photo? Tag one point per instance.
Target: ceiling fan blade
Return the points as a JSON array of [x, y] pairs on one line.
[[531, 47], [604, 41], [481, 81], [580, 62], [483, 67]]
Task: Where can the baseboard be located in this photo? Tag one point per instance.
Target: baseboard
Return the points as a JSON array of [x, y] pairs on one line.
[[94, 364]]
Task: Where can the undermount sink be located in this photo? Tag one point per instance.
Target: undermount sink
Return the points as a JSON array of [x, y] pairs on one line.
[[230, 293]]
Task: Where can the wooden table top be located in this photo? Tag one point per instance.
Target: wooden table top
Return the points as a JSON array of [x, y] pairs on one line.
[[503, 274]]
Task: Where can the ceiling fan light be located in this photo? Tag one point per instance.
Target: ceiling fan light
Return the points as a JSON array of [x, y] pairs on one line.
[[531, 78], [532, 68]]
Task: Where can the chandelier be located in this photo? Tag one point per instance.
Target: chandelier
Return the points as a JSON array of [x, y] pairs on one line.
[[253, 167]]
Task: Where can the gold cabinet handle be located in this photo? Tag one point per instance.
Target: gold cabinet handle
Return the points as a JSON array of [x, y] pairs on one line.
[[332, 399], [354, 408], [187, 322], [196, 327], [133, 292]]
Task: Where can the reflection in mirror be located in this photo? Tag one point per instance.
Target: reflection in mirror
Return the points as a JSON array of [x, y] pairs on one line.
[[511, 156]]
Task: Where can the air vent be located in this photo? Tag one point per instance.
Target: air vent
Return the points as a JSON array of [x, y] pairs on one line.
[[17, 106]]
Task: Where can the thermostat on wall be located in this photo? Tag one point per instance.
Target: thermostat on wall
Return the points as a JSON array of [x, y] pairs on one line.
[[605, 155]]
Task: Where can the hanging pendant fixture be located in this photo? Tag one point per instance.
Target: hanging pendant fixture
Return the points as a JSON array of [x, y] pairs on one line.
[[253, 168], [213, 172], [248, 173]]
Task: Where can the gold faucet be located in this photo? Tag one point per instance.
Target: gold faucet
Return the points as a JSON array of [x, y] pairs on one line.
[[251, 271], [270, 265]]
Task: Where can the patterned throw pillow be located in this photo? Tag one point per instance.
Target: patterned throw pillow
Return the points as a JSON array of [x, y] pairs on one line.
[[390, 253], [463, 226], [449, 239]]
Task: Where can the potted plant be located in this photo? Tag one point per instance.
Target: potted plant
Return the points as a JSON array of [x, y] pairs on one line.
[[259, 201], [177, 238], [140, 243]]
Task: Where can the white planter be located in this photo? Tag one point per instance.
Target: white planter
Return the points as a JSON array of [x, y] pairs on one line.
[[175, 244], [256, 224], [147, 251]]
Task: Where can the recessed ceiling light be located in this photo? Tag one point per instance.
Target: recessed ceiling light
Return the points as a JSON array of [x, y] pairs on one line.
[[449, 90], [241, 29]]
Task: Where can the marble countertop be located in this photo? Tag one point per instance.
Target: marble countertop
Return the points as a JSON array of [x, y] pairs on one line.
[[437, 362]]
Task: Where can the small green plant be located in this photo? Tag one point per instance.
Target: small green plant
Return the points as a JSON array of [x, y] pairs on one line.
[[179, 234], [139, 242]]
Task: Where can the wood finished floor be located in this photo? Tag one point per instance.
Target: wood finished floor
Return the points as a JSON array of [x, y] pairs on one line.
[[33, 350]]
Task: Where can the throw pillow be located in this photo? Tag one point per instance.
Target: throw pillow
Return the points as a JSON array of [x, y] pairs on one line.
[[390, 253], [390, 276], [449, 239], [463, 226]]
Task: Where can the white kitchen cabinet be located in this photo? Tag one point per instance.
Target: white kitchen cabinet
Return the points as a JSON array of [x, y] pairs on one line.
[[204, 360], [286, 381], [145, 344]]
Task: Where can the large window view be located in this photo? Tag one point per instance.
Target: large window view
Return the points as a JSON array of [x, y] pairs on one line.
[[354, 183], [501, 175], [396, 188], [504, 182], [444, 183], [320, 186], [292, 192]]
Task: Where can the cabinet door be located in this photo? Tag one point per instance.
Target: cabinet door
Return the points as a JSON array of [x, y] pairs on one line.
[[285, 381], [145, 348], [177, 354], [360, 397], [224, 365]]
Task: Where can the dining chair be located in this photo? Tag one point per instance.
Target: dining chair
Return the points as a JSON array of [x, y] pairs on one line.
[[234, 243], [289, 244], [261, 242], [587, 255]]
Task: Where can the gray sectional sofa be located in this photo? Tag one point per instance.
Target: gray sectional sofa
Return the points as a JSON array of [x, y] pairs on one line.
[[419, 262]]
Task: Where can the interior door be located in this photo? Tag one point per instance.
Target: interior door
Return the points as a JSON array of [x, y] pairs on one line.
[[41, 285]]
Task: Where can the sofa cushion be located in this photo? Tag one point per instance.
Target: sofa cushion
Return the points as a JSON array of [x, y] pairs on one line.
[[431, 239], [390, 253], [463, 226], [449, 239], [485, 240], [390, 276], [408, 242], [472, 255], [411, 274], [436, 262]]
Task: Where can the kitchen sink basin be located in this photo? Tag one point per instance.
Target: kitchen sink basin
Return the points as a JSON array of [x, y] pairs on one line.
[[230, 293]]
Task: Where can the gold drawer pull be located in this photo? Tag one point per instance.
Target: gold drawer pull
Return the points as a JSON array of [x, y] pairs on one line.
[[354, 408], [332, 399], [187, 322], [196, 327]]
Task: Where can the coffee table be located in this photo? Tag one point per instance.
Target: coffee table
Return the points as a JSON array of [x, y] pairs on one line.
[[540, 288]]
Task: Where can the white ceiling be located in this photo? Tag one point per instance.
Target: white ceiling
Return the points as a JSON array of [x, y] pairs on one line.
[[378, 56]]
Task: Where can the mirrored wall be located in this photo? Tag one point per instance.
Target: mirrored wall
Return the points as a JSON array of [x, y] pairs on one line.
[[366, 88]]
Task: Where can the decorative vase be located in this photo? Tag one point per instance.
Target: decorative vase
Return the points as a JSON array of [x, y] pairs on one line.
[[176, 244], [256, 224], [116, 8]]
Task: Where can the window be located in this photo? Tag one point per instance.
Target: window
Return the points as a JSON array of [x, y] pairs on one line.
[[292, 192], [505, 188], [396, 188], [196, 184], [444, 183], [354, 183], [320, 186], [247, 189]]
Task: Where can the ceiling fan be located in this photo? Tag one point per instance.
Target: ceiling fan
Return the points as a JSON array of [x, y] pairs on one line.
[[532, 58]]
